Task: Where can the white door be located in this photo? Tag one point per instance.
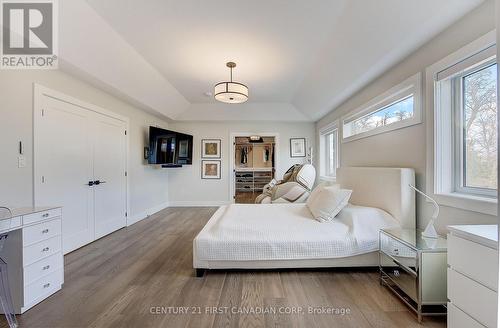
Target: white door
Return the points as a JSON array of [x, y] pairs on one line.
[[74, 148], [109, 169], [64, 168]]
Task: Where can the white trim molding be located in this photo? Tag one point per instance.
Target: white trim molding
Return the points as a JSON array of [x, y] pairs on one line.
[[409, 87], [439, 168], [146, 214]]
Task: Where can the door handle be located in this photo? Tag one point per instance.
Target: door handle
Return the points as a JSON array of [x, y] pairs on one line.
[[98, 182], [90, 183]]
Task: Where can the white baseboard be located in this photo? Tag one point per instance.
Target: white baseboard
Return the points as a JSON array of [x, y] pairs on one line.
[[141, 216], [200, 203]]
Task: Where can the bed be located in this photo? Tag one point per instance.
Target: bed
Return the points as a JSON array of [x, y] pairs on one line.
[[274, 236]]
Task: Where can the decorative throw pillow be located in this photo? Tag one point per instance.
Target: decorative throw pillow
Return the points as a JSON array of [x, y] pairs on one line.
[[328, 202], [316, 191]]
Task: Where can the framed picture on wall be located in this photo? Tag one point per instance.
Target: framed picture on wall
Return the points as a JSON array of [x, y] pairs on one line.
[[210, 169], [298, 147], [211, 148]]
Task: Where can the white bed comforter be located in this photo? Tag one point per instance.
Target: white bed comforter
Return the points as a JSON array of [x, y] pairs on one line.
[[246, 232]]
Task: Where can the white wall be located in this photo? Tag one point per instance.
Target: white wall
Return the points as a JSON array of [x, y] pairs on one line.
[[406, 147], [148, 185], [109, 59], [185, 184]]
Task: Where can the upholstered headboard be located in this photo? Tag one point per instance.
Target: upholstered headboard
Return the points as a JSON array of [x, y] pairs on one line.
[[385, 188]]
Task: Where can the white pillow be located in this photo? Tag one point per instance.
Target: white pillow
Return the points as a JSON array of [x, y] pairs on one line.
[[316, 191], [328, 202]]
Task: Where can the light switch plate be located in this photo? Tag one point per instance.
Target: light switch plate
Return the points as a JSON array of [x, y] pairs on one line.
[[21, 161]]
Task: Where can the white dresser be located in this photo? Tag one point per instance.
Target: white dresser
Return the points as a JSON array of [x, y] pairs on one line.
[[472, 276], [33, 252]]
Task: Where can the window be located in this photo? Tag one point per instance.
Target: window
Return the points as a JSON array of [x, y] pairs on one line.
[[475, 108], [396, 108], [463, 163], [401, 110], [329, 151]]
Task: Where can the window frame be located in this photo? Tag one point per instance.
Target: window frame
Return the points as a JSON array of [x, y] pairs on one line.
[[324, 151], [409, 87], [440, 173], [459, 174]]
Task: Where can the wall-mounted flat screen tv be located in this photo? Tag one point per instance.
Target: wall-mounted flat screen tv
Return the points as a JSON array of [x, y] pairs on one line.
[[169, 147]]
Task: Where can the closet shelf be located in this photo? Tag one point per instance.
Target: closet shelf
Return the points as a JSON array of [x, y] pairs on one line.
[[252, 179]]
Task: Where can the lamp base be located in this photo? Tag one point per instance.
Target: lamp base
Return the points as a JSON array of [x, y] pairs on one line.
[[430, 231]]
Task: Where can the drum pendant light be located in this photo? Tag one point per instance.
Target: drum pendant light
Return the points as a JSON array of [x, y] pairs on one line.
[[231, 92]]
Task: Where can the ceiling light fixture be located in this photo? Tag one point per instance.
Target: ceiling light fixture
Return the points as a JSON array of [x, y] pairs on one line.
[[255, 139], [231, 92]]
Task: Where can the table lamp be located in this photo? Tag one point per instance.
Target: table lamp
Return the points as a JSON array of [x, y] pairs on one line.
[[430, 231]]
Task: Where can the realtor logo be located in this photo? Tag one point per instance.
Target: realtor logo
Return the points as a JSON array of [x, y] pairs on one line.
[[29, 34]]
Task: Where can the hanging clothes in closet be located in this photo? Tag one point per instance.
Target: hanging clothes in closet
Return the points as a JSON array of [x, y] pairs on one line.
[[244, 155]]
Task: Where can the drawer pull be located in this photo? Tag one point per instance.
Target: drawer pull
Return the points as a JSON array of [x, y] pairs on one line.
[[46, 249], [47, 285], [45, 215], [405, 268], [46, 267], [45, 231]]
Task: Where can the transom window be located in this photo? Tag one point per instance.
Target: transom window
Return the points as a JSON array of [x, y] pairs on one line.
[[397, 108], [398, 111]]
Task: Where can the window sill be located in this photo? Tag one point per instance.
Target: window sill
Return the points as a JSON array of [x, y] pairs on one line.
[[472, 203]]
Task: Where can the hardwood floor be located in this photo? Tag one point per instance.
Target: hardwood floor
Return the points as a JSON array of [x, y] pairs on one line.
[[119, 280]]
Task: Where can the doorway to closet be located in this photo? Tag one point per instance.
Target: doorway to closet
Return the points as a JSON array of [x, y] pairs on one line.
[[254, 166]]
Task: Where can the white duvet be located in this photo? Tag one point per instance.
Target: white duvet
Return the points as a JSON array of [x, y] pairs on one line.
[[245, 232]]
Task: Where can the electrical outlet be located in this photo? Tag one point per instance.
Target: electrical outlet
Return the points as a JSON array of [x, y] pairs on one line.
[[21, 161]]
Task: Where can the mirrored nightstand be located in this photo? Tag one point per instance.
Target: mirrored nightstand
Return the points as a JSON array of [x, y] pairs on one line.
[[414, 268]]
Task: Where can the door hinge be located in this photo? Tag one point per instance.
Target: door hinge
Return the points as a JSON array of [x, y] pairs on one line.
[[126, 214], [125, 132], [43, 112], [125, 173], [43, 179]]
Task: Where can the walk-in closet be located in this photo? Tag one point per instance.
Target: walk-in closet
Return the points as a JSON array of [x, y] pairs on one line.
[[253, 166]]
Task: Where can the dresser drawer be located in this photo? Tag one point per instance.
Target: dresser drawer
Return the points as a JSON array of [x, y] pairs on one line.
[[43, 249], [474, 299], [404, 278], [402, 254], [42, 231], [43, 267], [41, 288], [474, 260], [44, 215], [459, 319]]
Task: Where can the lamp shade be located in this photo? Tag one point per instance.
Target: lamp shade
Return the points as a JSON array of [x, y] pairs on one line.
[[231, 92]]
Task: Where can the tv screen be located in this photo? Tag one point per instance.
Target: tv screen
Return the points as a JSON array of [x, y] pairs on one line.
[[169, 147]]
